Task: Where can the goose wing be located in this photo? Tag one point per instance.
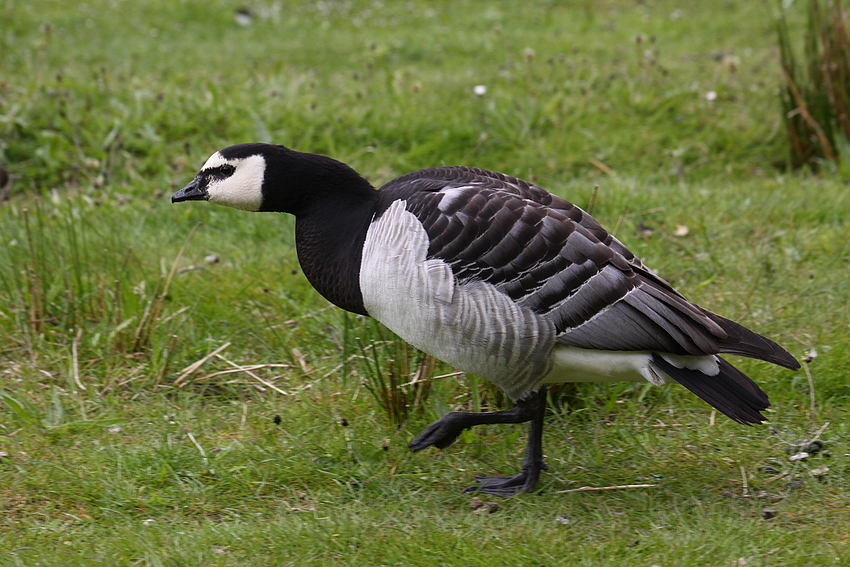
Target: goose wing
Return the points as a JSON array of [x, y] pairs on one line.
[[548, 255]]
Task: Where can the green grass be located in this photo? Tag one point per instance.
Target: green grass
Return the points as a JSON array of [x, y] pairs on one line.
[[816, 97], [116, 455]]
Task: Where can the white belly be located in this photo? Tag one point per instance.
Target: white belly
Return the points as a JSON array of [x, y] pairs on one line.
[[572, 364]]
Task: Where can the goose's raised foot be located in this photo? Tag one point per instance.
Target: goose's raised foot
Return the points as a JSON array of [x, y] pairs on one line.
[[442, 432]]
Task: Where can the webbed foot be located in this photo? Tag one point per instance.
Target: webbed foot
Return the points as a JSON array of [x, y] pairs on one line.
[[526, 481], [442, 432]]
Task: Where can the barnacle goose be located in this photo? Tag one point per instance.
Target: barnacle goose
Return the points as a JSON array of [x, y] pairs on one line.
[[495, 276]]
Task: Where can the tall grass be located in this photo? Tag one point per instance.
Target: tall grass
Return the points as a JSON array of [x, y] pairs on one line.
[[816, 93], [58, 283], [78, 292], [397, 375]]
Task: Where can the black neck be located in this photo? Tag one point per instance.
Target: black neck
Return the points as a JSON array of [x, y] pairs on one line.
[[333, 206], [304, 182], [329, 238]]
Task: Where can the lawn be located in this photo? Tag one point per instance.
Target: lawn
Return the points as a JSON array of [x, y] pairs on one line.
[[174, 392]]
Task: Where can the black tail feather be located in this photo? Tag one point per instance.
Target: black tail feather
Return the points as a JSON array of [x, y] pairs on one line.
[[744, 342], [730, 392]]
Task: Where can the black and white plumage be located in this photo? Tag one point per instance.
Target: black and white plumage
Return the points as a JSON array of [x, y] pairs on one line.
[[495, 276]]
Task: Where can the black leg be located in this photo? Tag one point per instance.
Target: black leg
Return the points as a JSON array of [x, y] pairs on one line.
[[445, 431]]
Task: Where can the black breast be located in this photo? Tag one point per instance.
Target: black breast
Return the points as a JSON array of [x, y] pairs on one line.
[[330, 245]]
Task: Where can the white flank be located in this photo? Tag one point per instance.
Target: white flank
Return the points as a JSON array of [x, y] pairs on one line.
[[573, 364], [708, 365], [244, 189], [473, 326]]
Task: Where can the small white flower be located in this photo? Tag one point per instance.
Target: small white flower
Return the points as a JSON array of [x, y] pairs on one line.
[[711, 96], [147, 522], [243, 17], [479, 90]]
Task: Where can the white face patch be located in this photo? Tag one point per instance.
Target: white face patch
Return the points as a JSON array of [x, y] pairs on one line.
[[244, 188]]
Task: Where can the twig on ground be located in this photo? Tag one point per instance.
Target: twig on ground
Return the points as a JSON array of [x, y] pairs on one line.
[[254, 376], [200, 450], [190, 268], [417, 379], [245, 369], [821, 430], [780, 476], [299, 357], [75, 363], [597, 488], [602, 167], [196, 365]]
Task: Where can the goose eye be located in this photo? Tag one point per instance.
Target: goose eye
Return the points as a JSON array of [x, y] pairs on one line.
[[227, 170]]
